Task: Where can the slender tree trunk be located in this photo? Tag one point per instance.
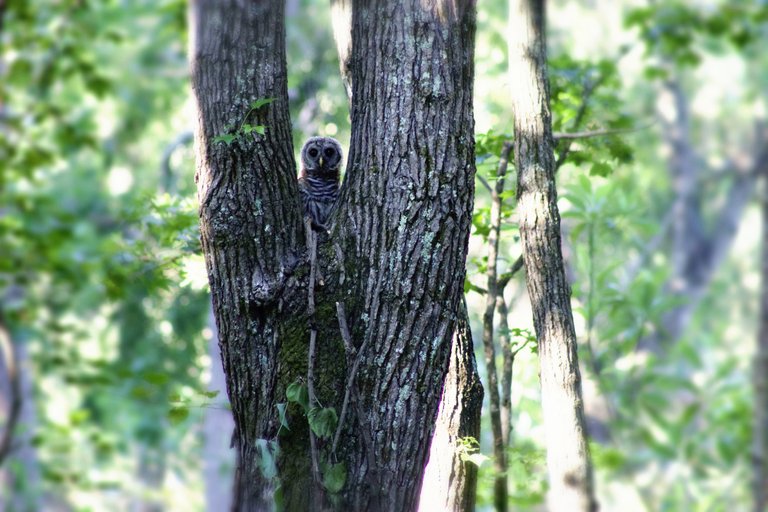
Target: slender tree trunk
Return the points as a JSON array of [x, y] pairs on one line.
[[760, 376], [696, 251], [450, 483], [489, 344], [394, 256], [568, 460]]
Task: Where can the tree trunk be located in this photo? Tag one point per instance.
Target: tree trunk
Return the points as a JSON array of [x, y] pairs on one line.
[[696, 251], [450, 482], [250, 219], [404, 223], [394, 258], [760, 376], [568, 460]]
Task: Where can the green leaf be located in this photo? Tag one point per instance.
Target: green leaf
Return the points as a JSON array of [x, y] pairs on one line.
[[600, 169], [281, 414], [177, 414], [210, 394], [248, 128], [227, 138], [257, 104], [322, 421], [156, 378], [334, 477], [267, 457], [297, 393]]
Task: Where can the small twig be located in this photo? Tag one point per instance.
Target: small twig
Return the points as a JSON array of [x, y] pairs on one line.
[[344, 328], [351, 377], [589, 89], [599, 133], [312, 401], [506, 277], [312, 247], [485, 183], [340, 260]]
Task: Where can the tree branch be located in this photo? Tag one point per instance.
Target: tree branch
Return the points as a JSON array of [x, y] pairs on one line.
[[312, 246], [14, 386], [598, 133]]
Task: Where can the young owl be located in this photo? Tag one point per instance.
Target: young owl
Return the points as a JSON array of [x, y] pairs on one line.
[[319, 177]]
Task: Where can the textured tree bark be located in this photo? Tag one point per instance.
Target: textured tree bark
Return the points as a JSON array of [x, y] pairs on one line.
[[403, 225], [760, 377], [394, 257], [450, 483], [250, 218], [568, 461]]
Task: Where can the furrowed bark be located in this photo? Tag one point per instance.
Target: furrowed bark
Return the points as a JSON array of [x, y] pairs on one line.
[[403, 224], [250, 217], [568, 460], [450, 483]]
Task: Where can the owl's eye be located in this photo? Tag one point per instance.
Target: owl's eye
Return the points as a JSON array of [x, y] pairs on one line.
[[329, 152], [313, 152]]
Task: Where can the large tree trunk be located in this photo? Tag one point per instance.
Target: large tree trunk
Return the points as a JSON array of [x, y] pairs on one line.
[[568, 460], [394, 258], [250, 218], [404, 223], [450, 481]]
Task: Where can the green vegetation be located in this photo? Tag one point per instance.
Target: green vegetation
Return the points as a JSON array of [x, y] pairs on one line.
[[103, 286]]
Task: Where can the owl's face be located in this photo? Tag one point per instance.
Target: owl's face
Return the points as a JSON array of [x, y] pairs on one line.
[[321, 155]]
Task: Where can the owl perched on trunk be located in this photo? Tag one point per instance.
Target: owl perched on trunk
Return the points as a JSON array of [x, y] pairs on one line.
[[319, 177]]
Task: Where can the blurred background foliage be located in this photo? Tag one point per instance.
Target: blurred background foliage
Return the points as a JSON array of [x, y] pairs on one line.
[[103, 289]]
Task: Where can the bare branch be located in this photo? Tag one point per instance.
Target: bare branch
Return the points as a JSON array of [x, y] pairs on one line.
[[589, 89], [599, 133], [342, 315], [484, 182], [312, 246]]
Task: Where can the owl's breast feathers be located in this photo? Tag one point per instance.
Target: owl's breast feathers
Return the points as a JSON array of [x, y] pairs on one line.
[[318, 194]]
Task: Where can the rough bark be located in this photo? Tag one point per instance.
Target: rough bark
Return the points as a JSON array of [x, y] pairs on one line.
[[404, 224], [450, 483], [449, 479], [394, 256], [249, 212], [760, 377], [568, 460]]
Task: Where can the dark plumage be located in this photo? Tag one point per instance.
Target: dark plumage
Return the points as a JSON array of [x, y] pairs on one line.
[[319, 177]]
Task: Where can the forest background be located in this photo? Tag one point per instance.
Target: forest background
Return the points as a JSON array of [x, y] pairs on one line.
[[104, 307]]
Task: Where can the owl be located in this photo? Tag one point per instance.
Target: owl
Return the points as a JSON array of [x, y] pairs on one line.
[[319, 177]]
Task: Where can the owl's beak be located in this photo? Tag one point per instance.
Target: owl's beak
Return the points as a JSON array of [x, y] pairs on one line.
[[321, 161]]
